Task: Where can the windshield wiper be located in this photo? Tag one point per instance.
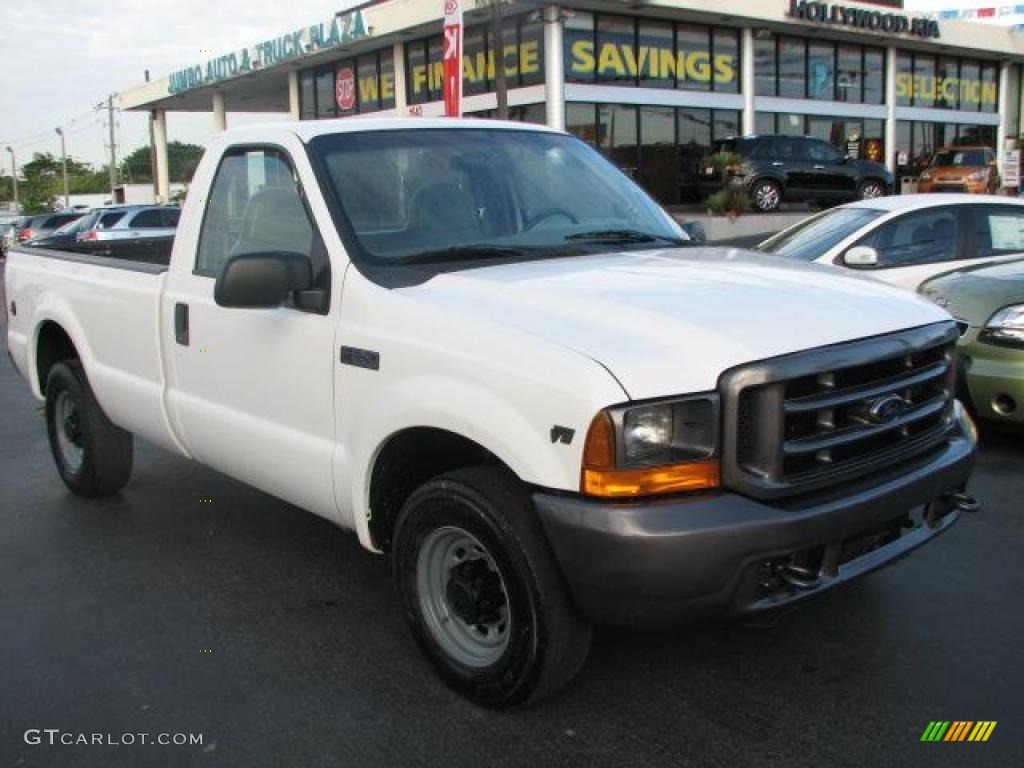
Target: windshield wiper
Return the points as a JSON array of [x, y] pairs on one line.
[[626, 236], [462, 253]]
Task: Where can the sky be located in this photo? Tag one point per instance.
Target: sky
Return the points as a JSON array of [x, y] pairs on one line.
[[60, 59]]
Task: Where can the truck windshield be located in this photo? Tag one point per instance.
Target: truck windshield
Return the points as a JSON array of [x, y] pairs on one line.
[[467, 194]]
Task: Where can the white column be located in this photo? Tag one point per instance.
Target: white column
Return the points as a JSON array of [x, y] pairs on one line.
[[293, 95], [554, 67], [747, 80], [1004, 111], [398, 55], [163, 183], [220, 112], [890, 112]]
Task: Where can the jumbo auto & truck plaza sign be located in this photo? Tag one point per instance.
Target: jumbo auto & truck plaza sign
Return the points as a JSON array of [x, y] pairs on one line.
[[885, 22]]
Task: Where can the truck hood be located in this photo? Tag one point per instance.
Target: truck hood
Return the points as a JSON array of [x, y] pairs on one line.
[[667, 322]]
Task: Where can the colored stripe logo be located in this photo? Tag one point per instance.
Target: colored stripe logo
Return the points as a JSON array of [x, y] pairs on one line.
[[959, 730]]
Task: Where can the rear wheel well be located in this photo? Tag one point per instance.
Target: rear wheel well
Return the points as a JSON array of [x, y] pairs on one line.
[[53, 346], [407, 460]]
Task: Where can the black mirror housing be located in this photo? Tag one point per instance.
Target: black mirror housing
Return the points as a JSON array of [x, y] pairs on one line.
[[262, 280]]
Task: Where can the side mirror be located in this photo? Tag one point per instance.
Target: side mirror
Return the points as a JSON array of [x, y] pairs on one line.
[[262, 280], [861, 256]]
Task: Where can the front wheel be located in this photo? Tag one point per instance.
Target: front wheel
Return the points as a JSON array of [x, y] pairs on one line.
[[482, 592], [93, 456], [767, 195], [870, 189]]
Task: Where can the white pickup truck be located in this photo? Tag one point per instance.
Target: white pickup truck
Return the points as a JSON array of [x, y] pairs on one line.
[[491, 355]]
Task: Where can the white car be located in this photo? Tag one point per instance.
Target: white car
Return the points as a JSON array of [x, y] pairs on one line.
[[905, 240]]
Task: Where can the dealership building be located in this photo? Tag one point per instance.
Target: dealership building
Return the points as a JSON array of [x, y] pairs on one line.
[[651, 83]]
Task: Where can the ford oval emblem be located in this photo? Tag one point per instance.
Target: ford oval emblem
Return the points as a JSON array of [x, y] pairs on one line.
[[886, 409]]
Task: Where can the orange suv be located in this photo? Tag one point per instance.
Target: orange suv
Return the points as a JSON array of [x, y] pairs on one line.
[[961, 169]]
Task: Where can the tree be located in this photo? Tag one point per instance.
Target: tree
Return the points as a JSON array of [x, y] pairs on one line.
[[42, 182], [182, 160]]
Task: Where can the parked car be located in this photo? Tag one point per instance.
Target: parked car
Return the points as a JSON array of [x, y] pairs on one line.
[[971, 170], [64, 237], [989, 300], [773, 169], [130, 222], [29, 227], [905, 240], [549, 407]]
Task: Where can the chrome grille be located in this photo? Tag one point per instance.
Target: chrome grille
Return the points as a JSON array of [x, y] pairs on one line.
[[809, 421]]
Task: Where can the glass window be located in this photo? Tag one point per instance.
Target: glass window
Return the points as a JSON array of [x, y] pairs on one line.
[[726, 49], [873, 141], [148, 219], [792, 69], [435, 68], [581, 121], [970, 86], [790, 125], [989, 100], [416, 72], [947, 83], [904, 79], [764, 123], [997, 231], [617, 135], [821, 71], [656, 39], [307, 96], [765, 79], [694, 129], [659, 162], [822, 152], [368, 81], [325, 106], [530, 113], [616, 50], [474, 58], [903, 146], [816, 235], [108, 220], [580, 55], [693, 61], [255, 206], [171, 216], [924, 80], [874, 76], [387, 79], [849, 74], [917, 238], [501, 53], [726, 123], [530, 59]]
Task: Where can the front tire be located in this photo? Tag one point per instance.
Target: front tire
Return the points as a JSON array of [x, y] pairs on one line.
[[93, 456], [482, 592], [767, 195]]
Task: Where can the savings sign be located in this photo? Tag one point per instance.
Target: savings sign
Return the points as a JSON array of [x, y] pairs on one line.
[[452, 58]]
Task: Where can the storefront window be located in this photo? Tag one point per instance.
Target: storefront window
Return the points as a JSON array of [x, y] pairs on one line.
[[325, 106], [368, 82], [695, 71], [530, 56], [764, 67], [659, 162], [387, 78], [726, 123], [970, 86], [849, 74], [764, 123], [989, 88], [616, 46], [924, 80], [416, 72], [581, 121], [789, 125], [655, 37], [307, 96], [580, 55], [874, 76], [821, 71], [946, 92], [725, 45], [616, 133], [904, 79], [792, 80], [474, 74]]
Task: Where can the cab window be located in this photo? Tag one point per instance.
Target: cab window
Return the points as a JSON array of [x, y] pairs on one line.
[[997, 231], [917, 238]]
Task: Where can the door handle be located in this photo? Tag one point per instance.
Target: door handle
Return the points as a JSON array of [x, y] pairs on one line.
[[777, 164], [819, 167], [181, 324]]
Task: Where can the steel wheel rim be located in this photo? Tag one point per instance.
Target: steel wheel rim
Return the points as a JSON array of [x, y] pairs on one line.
[[767, 197], [69, 432], [472, 644]]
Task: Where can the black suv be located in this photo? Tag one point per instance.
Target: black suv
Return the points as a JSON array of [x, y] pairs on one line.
[[795, 169]]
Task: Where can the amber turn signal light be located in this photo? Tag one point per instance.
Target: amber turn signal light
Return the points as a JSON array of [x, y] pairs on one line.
[[600, 477]]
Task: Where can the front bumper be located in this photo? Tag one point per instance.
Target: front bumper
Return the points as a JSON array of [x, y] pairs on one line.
[[655, 562], [994, 378]]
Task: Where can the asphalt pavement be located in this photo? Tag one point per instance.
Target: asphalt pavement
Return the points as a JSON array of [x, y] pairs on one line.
[[192, 604]]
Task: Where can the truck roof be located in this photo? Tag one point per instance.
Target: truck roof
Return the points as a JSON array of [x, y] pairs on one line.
[[307, 130]]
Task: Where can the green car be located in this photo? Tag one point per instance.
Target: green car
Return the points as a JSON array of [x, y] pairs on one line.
[[989, 299]]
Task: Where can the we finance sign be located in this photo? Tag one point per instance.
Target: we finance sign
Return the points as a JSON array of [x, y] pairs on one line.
[[334, 33]]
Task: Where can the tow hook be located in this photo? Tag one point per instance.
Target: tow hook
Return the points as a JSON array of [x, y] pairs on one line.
[[964, 502]]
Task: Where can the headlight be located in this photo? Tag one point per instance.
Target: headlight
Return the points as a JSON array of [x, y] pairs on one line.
[[1005, 328], [925, 176], [660, 447], [978, 176]]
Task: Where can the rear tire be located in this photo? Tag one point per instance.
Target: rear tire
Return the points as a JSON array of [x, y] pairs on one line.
[[766, 195], [93, 456], [482, 592]]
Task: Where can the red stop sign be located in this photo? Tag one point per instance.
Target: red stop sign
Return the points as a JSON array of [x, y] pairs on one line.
[[345, 89]]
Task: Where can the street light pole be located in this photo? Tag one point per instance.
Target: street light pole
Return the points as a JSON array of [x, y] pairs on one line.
[[64, 167], [14, 178]]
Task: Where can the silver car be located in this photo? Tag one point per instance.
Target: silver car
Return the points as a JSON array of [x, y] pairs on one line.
[[129, 222]]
